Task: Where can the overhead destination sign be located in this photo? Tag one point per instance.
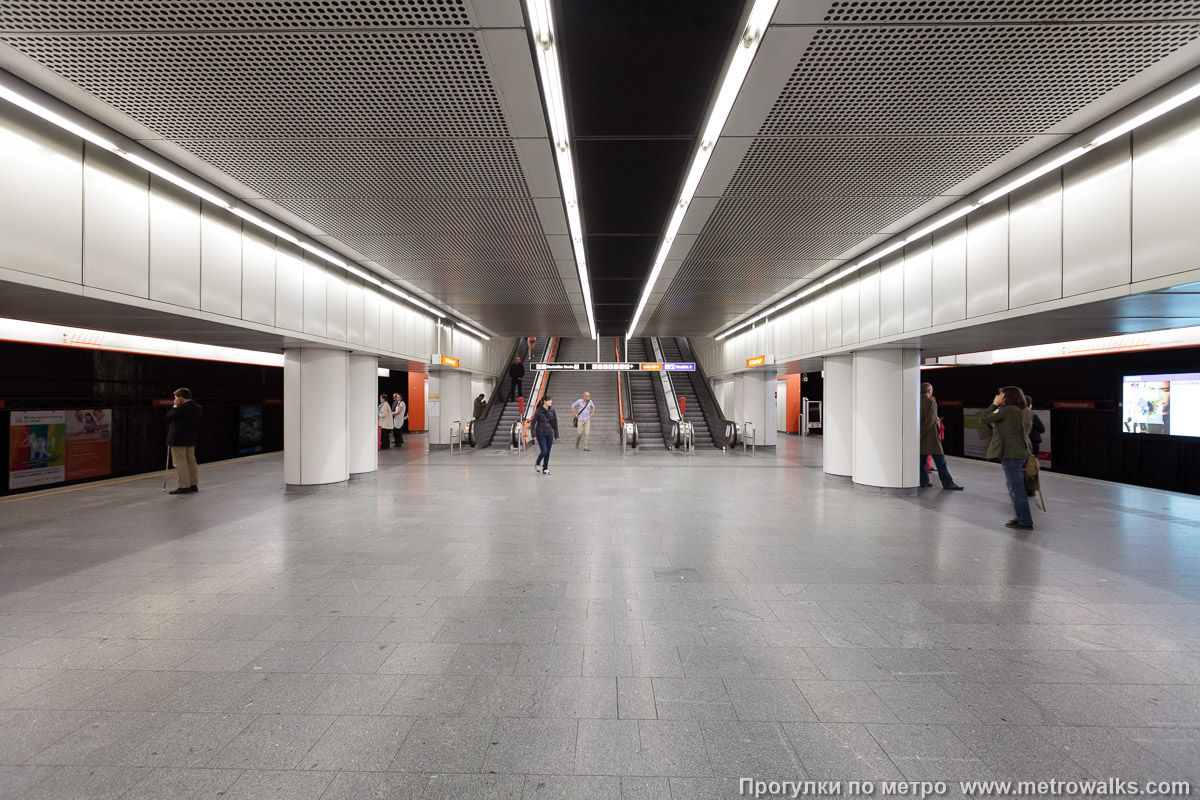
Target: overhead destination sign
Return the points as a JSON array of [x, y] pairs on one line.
[[614, 366]]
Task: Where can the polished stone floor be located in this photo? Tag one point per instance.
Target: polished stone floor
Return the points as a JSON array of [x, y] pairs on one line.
[[648, 626]]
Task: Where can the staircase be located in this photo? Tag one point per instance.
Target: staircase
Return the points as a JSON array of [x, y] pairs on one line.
[[510, 414], [567, 387], [684, 387], [643, 401]]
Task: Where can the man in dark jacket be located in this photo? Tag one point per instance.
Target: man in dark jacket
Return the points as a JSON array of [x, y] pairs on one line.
[[931, 441], [182, 422], [515, 373]]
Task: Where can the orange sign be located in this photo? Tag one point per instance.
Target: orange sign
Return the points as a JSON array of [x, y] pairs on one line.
[[447, 361], [651, 366], [756, 362]]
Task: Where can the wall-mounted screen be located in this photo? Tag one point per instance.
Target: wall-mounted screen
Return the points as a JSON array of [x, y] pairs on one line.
[[1163, 404]]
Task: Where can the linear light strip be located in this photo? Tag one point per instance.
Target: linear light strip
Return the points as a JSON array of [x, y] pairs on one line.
[[45, 112], [1154, 112], [473, 332], [546, 45], [731, 85]]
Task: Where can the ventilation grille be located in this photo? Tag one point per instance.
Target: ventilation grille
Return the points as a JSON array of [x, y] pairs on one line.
[[291, 85], [358, 168], [962, 80], [965, 11], [425, 217], [766, 216], [89, 15]]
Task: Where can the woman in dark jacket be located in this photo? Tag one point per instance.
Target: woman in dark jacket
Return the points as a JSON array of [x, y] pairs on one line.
[[545, 428], [1011, 421]]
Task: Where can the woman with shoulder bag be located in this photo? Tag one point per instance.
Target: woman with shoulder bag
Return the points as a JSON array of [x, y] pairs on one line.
[[545, 428], [1011, 421]]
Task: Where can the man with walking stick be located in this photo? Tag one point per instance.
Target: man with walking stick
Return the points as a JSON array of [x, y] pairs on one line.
[[182, 422]]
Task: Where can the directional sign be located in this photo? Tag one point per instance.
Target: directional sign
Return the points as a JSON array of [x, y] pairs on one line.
[[614, 366]]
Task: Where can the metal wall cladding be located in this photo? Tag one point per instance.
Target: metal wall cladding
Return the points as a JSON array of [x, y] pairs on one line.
[[960, 11]]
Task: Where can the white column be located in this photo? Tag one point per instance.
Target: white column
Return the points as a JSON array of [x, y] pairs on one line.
[[886, 444], [837, 416], [452, 389], [315, 453], [361, 422], [754, 402]]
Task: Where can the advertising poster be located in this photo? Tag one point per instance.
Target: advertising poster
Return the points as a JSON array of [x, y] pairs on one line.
[[37, 448], [250, 430], [976, 437], [89, 443]]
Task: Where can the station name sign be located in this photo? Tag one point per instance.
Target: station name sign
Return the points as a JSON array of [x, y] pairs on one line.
[[615, 366]]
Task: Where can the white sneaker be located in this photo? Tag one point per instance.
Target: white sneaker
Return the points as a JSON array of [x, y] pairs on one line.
[[537, 468], [545, 472]]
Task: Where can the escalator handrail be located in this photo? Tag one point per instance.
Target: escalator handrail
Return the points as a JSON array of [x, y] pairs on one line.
[[705, 397]]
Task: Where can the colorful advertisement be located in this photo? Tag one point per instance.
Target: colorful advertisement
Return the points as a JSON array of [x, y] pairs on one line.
[[37, 448], [1164, 404], [976, 437], [89, 443], [250, 430]]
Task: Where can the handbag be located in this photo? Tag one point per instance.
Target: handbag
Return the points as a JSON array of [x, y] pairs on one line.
[[1033, 482], [576, 422]]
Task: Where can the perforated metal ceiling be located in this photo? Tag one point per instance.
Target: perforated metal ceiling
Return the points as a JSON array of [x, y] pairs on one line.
[[382, 124], [890, 107]]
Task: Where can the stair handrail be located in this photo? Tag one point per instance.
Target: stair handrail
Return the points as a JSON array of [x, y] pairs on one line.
[[668, 387], [540, 381], [486, 433], [707, 399]]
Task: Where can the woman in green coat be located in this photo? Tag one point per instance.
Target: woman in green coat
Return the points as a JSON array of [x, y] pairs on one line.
[[1011, 420]]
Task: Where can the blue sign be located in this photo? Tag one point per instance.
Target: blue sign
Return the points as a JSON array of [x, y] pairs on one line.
[[681, 366]]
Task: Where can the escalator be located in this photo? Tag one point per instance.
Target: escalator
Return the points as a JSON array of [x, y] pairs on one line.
[[643, 401], [685, 387], [498, 427]]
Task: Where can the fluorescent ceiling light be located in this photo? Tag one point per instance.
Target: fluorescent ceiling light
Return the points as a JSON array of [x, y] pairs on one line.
[[34, 107], [266, 226], [731, 85], [183, 183], [542, 24], [1176, 100], [312, 248], [471, 330]]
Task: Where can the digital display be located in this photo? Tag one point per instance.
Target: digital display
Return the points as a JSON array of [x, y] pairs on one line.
[[1162, 404]]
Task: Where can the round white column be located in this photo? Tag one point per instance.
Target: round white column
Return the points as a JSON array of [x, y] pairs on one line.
[[361, 429], [315, 455], [837, 417], [886, 443]]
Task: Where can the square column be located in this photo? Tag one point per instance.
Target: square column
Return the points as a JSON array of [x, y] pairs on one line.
[[837, 417], [754, 402], [886, 415], [449, 400], [315, 436], [361, 420]]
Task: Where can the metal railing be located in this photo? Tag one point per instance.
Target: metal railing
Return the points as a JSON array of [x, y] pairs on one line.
[[628, 433], [688, 436], [515, 435], [457, 434], [749, 436]]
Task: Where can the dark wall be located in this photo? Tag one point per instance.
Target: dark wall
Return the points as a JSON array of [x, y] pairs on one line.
[[396, 382], [1084, 442], [45, 377]]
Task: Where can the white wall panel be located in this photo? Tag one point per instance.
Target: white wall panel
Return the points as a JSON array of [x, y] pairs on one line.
[[116, 224], [174, 244], [258, 277], [289, 286], [807, 337], [220, 261], [402, 342], [1166, 197], [385, 322], [1096, 214], [41, 226], [1035, 242], [833, 314], [891, 295], [820, 322], [948, 266], [868, 303], [850, 310], [316, 292], [355, 304], [987, 259], [918, 285], [370, 316], [336, 304]]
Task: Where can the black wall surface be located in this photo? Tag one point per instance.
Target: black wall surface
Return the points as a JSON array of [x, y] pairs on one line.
[[45, 377], [1084, 442]]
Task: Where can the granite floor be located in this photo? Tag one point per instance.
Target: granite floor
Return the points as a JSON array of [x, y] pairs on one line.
[[648, 626]]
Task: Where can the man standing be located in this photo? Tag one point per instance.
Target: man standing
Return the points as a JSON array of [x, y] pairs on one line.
[[515, 373], [480, 408], [583, 409], [931, 441], [399, 414], [182, 422]]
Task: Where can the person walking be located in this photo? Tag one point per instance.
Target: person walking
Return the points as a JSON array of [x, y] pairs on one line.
[[183, 420], [583, 408], [545, 428], [931, 441], [384, 415], [480, 410], [1011, 421], [399, 415], [516, 373]]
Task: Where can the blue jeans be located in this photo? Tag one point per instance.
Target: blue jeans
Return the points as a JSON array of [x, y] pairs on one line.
[[1014, 476], [939, 461], [544, 444]]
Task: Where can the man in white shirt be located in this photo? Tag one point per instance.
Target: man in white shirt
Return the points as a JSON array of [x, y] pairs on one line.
[[583, 409]]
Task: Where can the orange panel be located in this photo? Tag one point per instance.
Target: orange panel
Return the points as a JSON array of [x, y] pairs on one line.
[[416, 401], [795, 390]]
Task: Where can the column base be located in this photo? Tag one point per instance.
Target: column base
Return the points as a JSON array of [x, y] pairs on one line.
[[314, 488], [362, 476], [890, 491], [829, 476]]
